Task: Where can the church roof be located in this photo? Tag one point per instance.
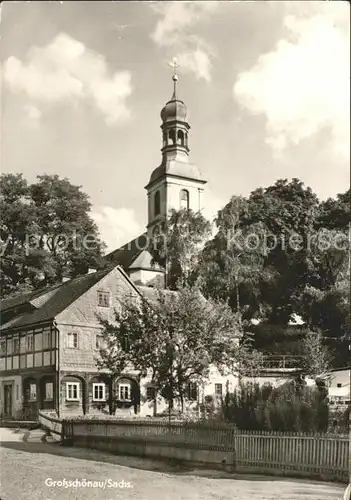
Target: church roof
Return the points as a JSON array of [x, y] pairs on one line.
[[144, 261], [174, 109], [126, 255], [177, 168], [134, 255]]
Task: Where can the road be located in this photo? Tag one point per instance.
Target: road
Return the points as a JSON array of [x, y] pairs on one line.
[[32, 469]]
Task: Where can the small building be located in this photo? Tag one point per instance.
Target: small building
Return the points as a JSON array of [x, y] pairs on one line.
[[339, 389]]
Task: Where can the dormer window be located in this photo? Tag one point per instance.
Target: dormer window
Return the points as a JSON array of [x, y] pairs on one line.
[[184, 199], [103, 298], [157, 203]]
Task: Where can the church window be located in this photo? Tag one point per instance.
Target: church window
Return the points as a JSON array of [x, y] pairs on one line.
[[180, 137], [157, 203], [184, 199], [164, 135]]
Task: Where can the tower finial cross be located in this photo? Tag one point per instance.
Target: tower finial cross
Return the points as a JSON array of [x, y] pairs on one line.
[[174, 65]]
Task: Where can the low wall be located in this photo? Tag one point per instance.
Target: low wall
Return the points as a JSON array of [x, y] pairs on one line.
[[159, 450], [214, 445]]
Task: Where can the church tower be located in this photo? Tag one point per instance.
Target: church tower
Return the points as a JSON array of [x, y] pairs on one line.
[[176, 183]]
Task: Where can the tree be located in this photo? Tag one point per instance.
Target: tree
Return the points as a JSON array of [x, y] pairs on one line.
[[317, 356], [269, 266], [231, 263], [46, 232], [174, 339], [176, 244], [335, 213], [284, 241]]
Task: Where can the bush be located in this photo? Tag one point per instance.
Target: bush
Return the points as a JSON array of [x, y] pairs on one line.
[[339, 421], [290, 407]]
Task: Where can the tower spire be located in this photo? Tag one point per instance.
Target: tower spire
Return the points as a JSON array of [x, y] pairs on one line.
[[174, 65]]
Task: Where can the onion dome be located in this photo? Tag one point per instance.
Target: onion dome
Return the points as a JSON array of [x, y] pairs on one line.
[[174, 109]]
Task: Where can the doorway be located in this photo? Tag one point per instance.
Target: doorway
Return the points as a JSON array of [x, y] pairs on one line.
[[8, 400]]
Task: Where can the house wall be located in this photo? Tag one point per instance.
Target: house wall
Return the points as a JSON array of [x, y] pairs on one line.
[[81, 317], [206, 388], [339, 377], [80, 364], [339, 388]]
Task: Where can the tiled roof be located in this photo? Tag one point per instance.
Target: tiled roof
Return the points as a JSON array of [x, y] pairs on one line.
[[18, 300], [50, 302]]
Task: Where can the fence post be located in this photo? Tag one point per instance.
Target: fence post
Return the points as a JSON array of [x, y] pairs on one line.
[[67, 433]]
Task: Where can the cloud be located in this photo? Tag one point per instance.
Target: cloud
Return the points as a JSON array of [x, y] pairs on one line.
[[193, 53], [66, 69], [117, 225], [212, 204], [32, 113], [302, 86], [197, 61]]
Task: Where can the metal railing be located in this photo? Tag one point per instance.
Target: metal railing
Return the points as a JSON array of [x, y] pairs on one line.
[[285, 361]]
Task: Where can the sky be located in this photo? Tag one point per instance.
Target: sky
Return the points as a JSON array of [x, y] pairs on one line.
[[266, 85]]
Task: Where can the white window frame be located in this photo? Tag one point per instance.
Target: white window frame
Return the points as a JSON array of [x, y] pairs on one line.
[[129, 392], [193, 387], [69, 388], [98, 386], [23, 344], [29, 342], [153, 389], [103, 294], [99, 339], [3, 347], [16, 342], [72, 335], [46, 340], [219, 394], [9, 346], [49, 398]]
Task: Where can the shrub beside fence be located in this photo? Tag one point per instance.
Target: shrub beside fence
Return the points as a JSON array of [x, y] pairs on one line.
[[212, 443]]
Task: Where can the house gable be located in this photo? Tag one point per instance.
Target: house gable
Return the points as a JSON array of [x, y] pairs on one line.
[[86, 309]]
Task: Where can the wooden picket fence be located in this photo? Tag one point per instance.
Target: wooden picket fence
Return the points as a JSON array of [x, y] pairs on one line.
[[309, 454]]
